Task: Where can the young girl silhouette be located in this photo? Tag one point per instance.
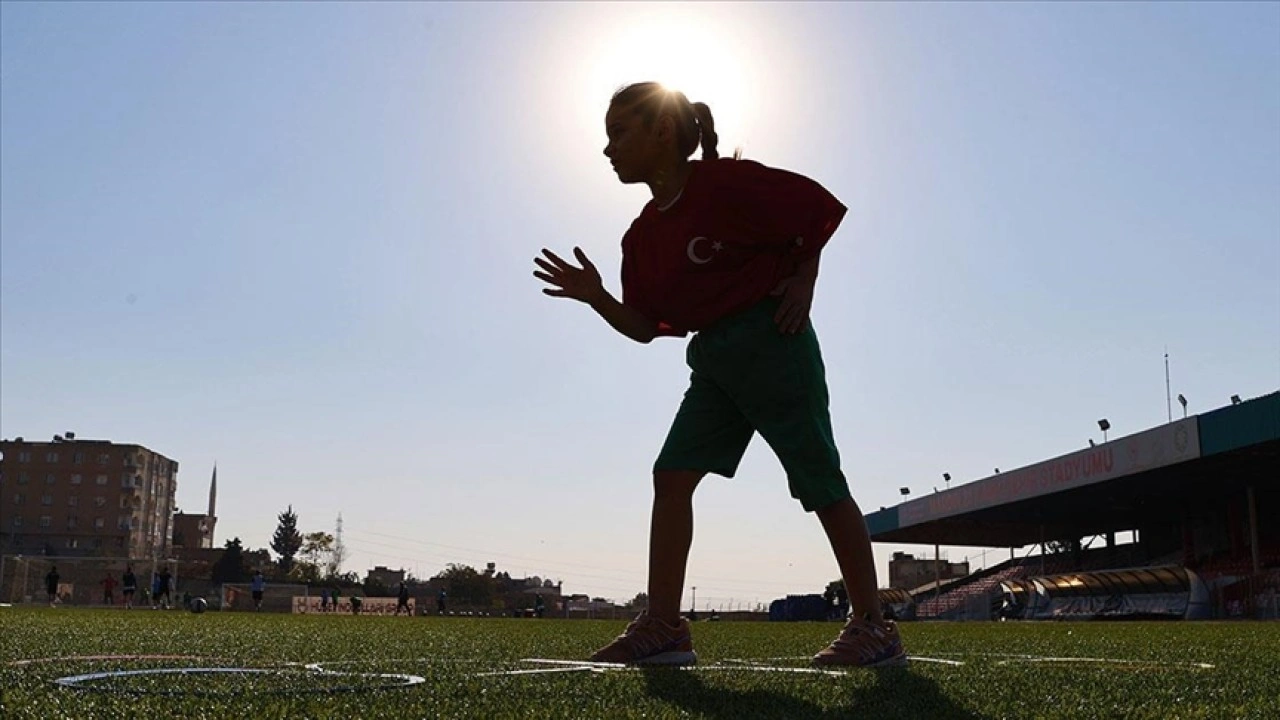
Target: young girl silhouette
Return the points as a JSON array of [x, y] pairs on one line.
[[727, 250]]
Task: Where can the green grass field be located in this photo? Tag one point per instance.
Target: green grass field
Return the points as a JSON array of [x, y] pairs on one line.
[[1138, 670]]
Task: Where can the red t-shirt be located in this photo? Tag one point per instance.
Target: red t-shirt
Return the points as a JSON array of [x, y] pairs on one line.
[[737, 229]]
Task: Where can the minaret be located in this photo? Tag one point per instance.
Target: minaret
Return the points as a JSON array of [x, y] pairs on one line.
[[213, 492]]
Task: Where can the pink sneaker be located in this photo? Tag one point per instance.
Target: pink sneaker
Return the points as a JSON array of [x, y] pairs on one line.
[[649, 641], [865, 644]]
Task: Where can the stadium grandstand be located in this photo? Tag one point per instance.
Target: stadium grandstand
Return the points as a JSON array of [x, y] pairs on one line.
[[1199, 496]]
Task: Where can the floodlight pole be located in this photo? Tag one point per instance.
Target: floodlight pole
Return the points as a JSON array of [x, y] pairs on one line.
[[1168, 394]]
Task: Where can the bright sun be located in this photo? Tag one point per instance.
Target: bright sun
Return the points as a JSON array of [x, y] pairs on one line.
[[685, 52]]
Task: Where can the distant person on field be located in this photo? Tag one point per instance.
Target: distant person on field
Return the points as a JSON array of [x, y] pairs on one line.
[[355, 604], [108, 590], [128, 586], [324, 600], [440, 601], [162, 595], [337, 595], [51, 584], [402, 599], [726, 250], [257, 586]]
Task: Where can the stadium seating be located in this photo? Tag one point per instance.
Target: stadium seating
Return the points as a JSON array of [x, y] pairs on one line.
[[956, 598], [1226, 566]]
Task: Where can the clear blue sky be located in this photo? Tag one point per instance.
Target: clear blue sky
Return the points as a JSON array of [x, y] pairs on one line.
[[297, 239]]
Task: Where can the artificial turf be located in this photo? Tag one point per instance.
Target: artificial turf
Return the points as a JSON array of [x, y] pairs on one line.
[[1009, 670]]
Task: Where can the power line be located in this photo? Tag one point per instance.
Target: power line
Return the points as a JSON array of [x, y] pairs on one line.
[[736, 581], [628, 587], [448, 561], [477, 551], [754, 585]]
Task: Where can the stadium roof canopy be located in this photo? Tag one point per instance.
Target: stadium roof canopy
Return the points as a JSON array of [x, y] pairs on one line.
[[1123, 484]]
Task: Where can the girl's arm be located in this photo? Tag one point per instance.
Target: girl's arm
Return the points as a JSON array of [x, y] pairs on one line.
[[807, 271], [584, 285], [626, 320], [796, 291]]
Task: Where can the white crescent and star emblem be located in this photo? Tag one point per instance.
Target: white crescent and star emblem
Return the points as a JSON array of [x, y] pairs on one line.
[[692, 250]]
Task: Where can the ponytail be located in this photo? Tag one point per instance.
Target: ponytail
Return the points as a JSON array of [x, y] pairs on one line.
[[707, 129]]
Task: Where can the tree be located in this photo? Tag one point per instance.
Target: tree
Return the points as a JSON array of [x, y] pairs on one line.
[[639, 602], [230, 567], [835, 597], [466, 586], [346, 579], [314, 563], [287, 541]]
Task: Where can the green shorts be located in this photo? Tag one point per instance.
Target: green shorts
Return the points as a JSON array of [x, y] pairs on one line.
[[747, 378]]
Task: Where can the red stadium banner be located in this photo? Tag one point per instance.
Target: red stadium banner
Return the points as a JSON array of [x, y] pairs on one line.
[[368, 605], [1166, 445]]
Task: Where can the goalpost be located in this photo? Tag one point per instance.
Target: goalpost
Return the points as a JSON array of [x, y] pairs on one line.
[[82, 580], [277, 597]]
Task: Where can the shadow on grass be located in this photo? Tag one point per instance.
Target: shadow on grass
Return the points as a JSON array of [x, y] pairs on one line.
[[897, 693]]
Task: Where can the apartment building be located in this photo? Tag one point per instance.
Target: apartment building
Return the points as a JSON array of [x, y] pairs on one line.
[[72, 497]]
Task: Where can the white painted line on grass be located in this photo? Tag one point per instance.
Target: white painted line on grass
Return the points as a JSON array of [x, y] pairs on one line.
[[582, 663], [542, 671], [77, 682], [1113, 661], [90, 658], [74, 681], [766, 668], [760, 662], [988, 654], [427, 660], [940, 661]]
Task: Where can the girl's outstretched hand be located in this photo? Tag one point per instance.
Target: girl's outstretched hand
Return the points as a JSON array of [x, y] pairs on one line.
[[582, 284]]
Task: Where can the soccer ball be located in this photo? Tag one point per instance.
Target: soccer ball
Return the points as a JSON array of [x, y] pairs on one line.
[[198, 605]]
